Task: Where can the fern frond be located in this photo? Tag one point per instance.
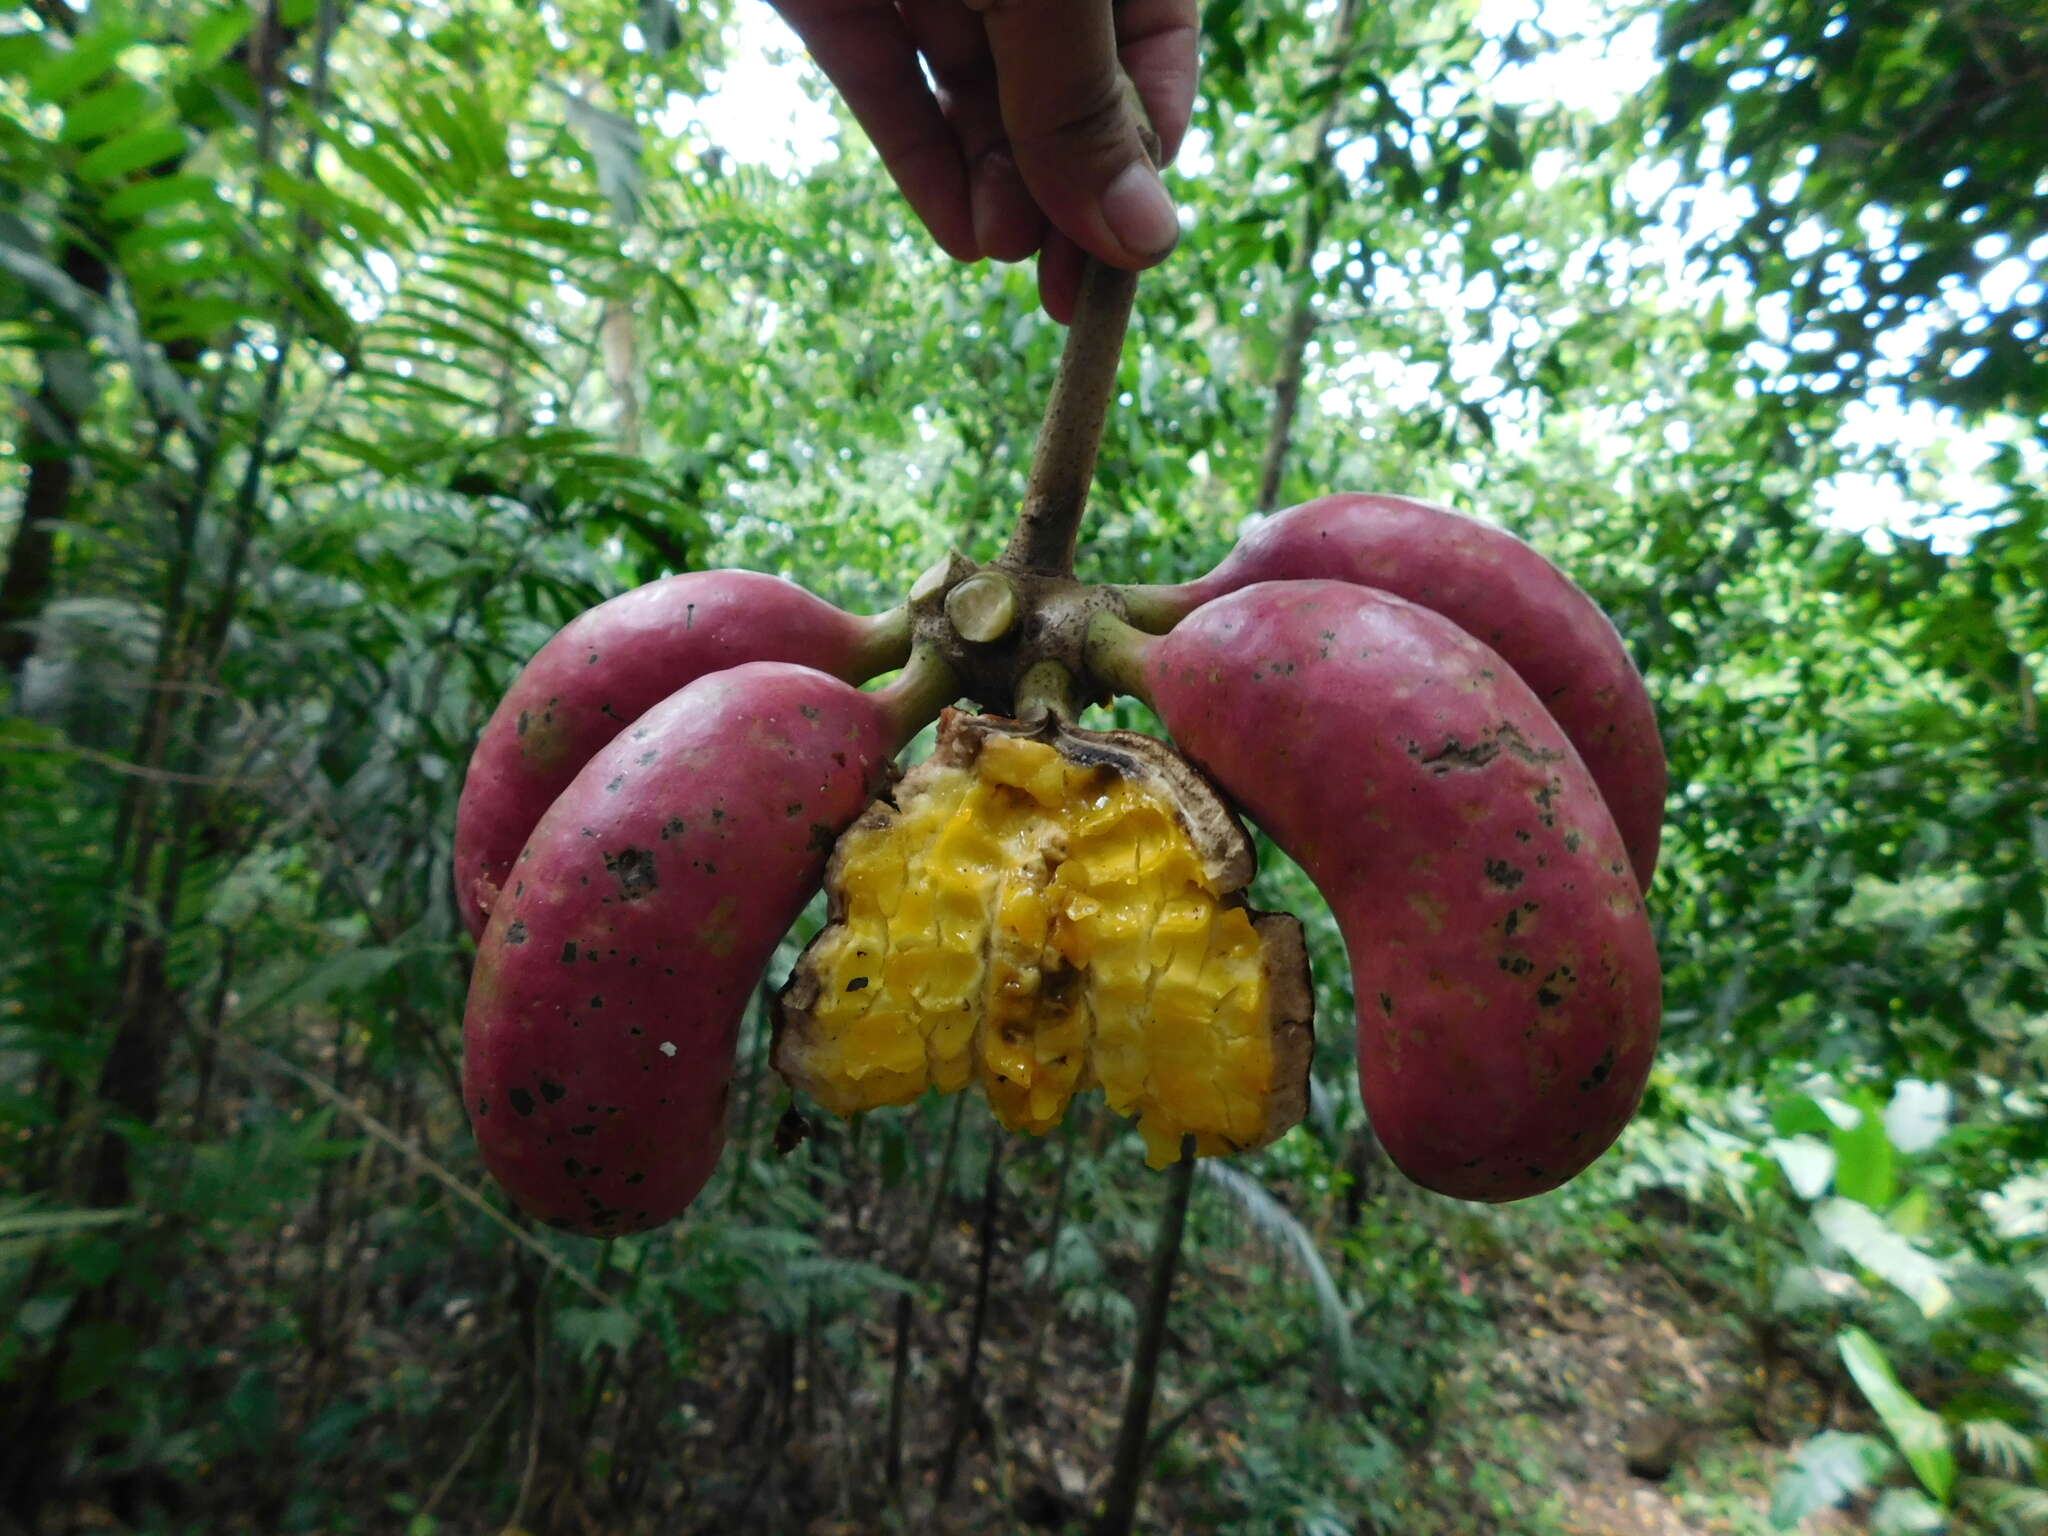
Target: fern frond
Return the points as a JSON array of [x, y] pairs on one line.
[[2014, 1507], [2001, 1447], [1283, 1230]]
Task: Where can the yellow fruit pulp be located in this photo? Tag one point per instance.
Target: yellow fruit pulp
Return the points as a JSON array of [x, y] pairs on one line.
[[1041, 927]]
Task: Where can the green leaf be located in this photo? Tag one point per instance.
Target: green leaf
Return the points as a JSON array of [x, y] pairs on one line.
[[94, 1259], [93, 116], [1906, 1512], [1828, 1469], [390, 382], [1863, 1157], [90, 55], [202, 318], [251, 1409], [133, 151], [1800, 1115], [412, 196], [22, 53], [350, 971], [213, 35], [1913, 1216], [1871, 1241], [589, 1329], [142, 197], [39, 1316], [99, 1354], [1919, 1433], [329, 1435], [33, 1223]]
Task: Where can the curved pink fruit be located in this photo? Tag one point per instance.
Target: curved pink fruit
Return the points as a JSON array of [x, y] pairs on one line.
[[607, 667], [1494, 587], [1507, 979], [610, 984]]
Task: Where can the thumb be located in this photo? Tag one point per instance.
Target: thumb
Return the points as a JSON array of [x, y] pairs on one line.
[[1076, 128]]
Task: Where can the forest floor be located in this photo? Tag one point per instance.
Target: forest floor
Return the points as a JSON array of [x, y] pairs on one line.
[[1542, 1383], [1608, 1402], [1637, 1404]]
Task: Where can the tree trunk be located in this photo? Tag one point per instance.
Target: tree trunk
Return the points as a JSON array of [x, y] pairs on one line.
[[50, 447], [1301, 277]]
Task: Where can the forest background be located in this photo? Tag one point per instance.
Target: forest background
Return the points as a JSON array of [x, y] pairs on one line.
[[352, 346]]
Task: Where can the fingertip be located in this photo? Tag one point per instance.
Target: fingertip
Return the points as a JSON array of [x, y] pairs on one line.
[[1138, 212], [1059, 276], [952, 226], [1007, 223]]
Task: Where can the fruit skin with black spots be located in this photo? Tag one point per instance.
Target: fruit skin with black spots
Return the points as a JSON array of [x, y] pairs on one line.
[[607, 667], [1494, 587], [610, 984], [1507, 979]]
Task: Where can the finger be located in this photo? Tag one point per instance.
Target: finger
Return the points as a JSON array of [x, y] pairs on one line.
[[1073, 124], [1059, 276], [867, 52], [1159, 42], [1006, 217], [1007, 223]]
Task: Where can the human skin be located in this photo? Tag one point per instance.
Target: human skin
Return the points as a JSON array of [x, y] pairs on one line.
[[1034, 140]]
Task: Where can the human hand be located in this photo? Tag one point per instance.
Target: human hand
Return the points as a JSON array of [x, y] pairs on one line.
[[1032, 139]]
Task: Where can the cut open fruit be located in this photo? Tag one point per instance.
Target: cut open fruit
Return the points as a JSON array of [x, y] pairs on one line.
[[1045, 910]]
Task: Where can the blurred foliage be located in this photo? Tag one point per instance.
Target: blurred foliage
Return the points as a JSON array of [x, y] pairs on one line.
[[354, 348]]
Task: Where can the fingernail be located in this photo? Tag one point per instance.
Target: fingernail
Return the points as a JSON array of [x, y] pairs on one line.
[[1139, 213]]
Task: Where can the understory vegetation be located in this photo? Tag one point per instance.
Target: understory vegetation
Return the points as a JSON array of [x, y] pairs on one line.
[[354, 346]]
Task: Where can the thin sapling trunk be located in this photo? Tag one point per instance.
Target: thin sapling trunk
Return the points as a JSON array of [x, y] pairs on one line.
[[1119, 1507]]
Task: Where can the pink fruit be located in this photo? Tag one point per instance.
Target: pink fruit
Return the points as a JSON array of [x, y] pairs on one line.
[[612, 978], [1506, 975], [609, 666], [1495, 588]]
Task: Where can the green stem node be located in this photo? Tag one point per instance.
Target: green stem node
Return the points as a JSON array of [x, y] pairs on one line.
[[1155, 609], [884, 645], [1047, 689]]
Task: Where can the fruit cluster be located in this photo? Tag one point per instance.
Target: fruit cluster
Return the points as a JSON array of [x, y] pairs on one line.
[[1435, 722]]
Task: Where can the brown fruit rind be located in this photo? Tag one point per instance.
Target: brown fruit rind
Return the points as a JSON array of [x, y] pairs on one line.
[[813, 1034]]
